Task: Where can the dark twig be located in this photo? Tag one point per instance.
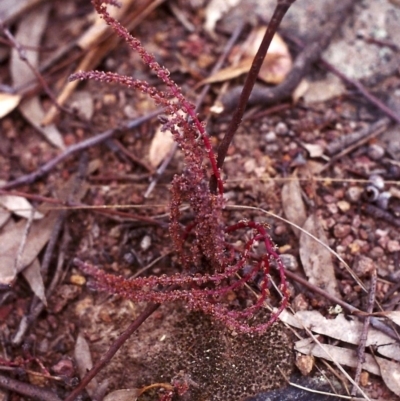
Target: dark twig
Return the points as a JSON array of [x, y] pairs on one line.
[[381, 214], [364, 334], [341, 143], [369, 96], [22, 55], [279, 12], [150, 309], [27, 390], [47, 167], [355, 140]]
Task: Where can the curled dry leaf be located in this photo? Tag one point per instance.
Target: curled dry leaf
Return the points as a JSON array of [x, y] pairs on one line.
[[214, 12], [29, 32], [390, 372], [19, 206], [316, 258], [275, 67], [128, 394], [34, 278], [292, 203], [161, 145], [8, 102], [83, 359]]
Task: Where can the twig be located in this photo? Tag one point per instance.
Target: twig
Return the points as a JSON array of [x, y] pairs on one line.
[[369, 96], [364, 333], [47, 167], [339, 144], [361, 137], [27, 389], [150, 309], [381, 214], [281, 8], [22, 55]]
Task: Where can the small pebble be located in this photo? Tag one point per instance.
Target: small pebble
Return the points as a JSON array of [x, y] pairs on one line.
[[353, 194], [341, 230], [270, 137], [377, 181], [145, 243], [289, 261], [393, 246], [375, 151], [281, 128], [343, 206], [363, 266], [77, 279], [332, 207]]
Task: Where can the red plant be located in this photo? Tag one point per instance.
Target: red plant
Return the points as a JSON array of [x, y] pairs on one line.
[[211, 266]]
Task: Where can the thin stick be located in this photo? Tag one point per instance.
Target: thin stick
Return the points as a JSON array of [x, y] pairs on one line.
[[47, 167], [27, 389], [369, 96], [364, 333], [280, 10], [150, 309]]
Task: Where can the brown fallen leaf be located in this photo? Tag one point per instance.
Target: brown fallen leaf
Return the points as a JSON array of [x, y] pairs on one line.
[[316, 258], [292, 203], [276, 65]]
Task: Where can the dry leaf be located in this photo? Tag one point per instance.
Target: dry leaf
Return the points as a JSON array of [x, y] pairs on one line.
[[128, 394], [83, 359], [393, 316], [11, 9], [19, 206], [316, 259], [29, 32], [8, 103], [343, 356], [99, 29], [4, 216], [215, 10], [292, 203], [37, 238], [34, 278], [160, 146], [343, 329], [390, 372], [324, 90], [314, 150], [274, 69]]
